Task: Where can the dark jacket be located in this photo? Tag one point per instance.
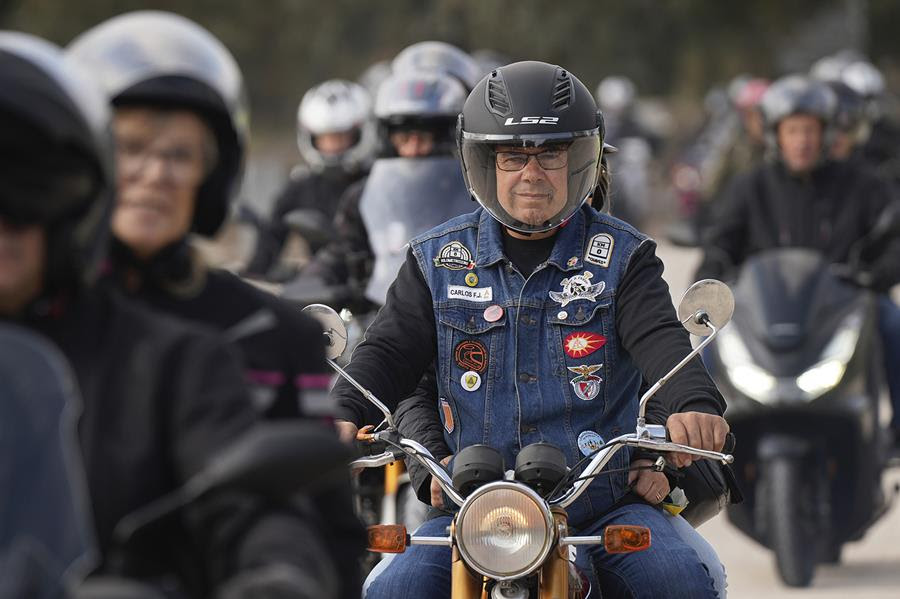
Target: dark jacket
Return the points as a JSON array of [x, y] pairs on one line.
[[829, 209], [160, 398], [348, 259], [305, 191], [282, 350]]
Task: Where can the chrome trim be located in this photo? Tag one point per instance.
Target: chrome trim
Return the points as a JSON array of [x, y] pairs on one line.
[[440, 541]]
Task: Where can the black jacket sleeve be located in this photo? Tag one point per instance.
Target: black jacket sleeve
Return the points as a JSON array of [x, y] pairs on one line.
[[725, 240], [418, 419], [399, 346], [651, 334]]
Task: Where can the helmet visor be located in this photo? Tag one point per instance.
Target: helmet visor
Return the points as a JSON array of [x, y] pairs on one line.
[[531, 183]]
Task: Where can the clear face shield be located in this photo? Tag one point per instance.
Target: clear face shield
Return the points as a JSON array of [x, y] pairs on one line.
[[531, 183]]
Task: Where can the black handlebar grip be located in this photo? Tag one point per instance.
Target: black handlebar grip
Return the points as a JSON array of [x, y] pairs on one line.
[[729, 443]]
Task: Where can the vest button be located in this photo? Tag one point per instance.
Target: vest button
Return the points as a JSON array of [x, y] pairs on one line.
[[524, 377], [527, 428]]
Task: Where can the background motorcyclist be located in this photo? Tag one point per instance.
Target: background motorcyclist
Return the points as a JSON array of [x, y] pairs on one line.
[[161, 396], [181, 126], [521, 253], [337, 140], [802, 198], [416, 114]]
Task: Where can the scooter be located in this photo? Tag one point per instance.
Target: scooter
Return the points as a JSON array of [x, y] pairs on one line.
[[275, 460], [510, 537], [801, 369]]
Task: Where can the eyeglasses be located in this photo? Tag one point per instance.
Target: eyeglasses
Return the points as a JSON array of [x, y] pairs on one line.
[[548, 160], [183, 164]]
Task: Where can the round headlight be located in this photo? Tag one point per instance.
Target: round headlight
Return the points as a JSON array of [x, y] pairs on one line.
[[504, 530]]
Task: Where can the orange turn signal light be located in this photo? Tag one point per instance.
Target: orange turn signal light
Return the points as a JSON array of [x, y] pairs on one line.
[[622, 538], [387, 538]]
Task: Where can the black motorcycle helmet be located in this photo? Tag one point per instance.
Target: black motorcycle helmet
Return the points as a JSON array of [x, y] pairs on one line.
[[798, 94], [530, 104], [160, 59], [56, 158]]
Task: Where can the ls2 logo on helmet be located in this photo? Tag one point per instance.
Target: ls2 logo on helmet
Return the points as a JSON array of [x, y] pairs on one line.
[[532, 120]]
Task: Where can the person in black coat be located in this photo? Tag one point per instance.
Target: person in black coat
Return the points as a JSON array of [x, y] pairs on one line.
[[161, 396]]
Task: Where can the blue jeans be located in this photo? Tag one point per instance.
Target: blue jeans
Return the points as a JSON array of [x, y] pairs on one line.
[[889, 329], [424, 570]]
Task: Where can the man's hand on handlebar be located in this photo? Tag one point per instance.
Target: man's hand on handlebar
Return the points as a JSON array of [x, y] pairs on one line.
[[697, 429], [346, 431], [437, 498]]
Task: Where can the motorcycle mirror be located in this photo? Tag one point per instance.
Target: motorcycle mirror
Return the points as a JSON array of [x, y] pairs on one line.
[[334, 327], [707, 300], [273, 459], [277, 459]]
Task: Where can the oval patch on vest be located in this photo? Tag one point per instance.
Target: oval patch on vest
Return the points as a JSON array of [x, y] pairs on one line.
[[589, 442]]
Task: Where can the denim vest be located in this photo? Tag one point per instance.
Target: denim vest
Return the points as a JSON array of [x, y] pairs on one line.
[[521, 361]]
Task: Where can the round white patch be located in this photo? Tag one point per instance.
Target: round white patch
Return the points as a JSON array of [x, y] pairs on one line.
[[589, 442], [470, 380]]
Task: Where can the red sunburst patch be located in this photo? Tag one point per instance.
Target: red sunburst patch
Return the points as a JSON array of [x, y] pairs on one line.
[[579, 345]]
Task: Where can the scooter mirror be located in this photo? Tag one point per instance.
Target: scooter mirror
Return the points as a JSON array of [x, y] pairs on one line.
[[707, 299], [273, 460], [334, 327], [278, 459]]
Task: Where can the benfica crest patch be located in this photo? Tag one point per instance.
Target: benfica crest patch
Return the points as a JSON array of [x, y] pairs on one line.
[[579, 345], [586, 385], [454, 256]]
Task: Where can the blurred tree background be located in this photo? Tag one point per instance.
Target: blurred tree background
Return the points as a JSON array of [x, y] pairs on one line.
[[674, 48]]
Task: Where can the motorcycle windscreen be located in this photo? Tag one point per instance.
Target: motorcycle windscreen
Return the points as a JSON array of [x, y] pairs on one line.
[[790, 303], [46, 530], [405, 197]]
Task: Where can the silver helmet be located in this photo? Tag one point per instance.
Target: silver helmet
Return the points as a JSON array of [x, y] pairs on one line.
[[336, 106], [162, 59]]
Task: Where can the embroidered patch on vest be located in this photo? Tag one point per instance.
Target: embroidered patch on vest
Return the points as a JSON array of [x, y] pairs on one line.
[[454, 256], [470, 294], [449, 425], [586, 385], [600, 250], [589, 442], [579, 345], [471, 355], [577, 287]]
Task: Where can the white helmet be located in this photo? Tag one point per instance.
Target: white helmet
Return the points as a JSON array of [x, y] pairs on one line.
[[332, 107], [864, 79]]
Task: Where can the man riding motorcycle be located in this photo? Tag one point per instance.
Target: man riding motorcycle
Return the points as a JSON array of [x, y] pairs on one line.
[[802, 198], [337, 140], [161, 397], [566, 308]]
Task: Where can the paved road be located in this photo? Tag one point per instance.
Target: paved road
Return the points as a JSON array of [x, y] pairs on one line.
[[870, 568]]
